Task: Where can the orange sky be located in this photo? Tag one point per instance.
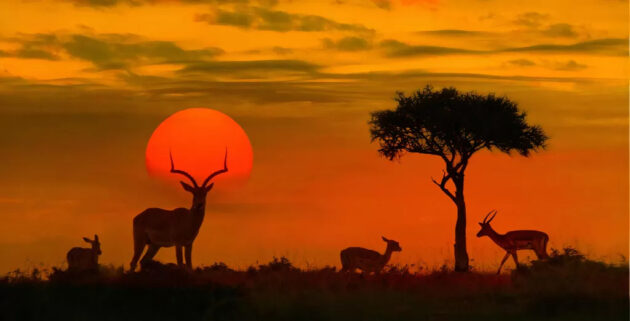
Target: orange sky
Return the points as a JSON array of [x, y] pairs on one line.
[[83, 84]]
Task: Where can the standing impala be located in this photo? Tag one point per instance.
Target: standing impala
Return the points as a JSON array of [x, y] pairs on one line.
[[515, 240], [158, 228]]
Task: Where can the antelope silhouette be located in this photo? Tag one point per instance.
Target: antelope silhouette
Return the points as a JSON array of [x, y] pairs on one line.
[[82, 259], [367, 260], [515, 240], [158, 227]]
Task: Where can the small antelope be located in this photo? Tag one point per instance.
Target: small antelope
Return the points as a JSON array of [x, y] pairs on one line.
[[367, 260], [158, 227], [82, 259], [515, 240]]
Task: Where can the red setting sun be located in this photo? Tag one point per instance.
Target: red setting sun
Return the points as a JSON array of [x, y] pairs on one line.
[[198, 139]]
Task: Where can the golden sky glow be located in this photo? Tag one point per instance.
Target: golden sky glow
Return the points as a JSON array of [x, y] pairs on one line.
[[83, 84]]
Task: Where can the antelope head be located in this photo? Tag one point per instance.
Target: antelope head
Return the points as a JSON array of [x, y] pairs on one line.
[[199, 191], [486, 229], [96, 245], [392, 245]]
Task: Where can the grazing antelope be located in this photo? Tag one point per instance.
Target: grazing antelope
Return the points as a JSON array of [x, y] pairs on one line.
[[158, 227], [82, 259], [515, 240], [367, 260]]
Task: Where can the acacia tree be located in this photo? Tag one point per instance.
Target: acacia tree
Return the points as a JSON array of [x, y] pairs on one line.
[[453, 126]]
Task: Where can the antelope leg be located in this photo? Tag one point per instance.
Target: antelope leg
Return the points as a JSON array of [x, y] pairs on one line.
[[188, 252], [178, 253], [515, 258], [503, 261], [148, 256]]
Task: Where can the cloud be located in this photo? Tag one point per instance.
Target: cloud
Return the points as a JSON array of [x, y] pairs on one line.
[[609, 46], [100, 3], [251, 68], [261, 18], [29, 53], [234, 92], [113, 54], [110, 51], [35, 54], [36, 46], [453, 32], [282, 50], [395, 48], [534, 21], [383, 4], [530, 19], [416, 2], [570, 65], [348, 44], [560, 30], [151, 93], [112, 3], [522, 62]]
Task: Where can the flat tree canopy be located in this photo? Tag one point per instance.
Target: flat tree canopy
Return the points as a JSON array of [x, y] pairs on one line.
[[451, 123]]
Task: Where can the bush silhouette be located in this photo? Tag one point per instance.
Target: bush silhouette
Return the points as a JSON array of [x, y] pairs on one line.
[[568, 287]]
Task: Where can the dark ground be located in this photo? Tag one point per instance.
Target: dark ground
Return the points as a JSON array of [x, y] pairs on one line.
[[566, 287]]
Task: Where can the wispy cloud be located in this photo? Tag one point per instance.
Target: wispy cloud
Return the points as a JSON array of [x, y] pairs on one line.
[[560, 30], [609, 46], [262, 18], [278, 50], [522, 62], [199, 86], [255, 68], [395, 48], [112, 54], [453, 32], [383, 4], [531, 19], [112, 3], [570, 65], [37, 46], [101, 3], [110, 51], [348, 44]]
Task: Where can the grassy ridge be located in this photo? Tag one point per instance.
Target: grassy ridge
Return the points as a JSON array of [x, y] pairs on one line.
[[566, 287]]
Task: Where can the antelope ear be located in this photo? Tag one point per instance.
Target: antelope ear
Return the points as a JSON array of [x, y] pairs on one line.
[[384, 239], [95, 238], [87, 240], [209, 187], [186, 187], [480, 224]]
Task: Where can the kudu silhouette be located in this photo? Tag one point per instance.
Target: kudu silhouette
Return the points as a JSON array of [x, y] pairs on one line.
[[82, 259], [367, 260], [158, 227], [515, 240]]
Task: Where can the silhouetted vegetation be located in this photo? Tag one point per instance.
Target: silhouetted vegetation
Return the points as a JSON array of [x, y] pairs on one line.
[[568, 286], [454, 126]]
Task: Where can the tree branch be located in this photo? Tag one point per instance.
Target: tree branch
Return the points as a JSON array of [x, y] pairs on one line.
[[442, 185], [433, 144]]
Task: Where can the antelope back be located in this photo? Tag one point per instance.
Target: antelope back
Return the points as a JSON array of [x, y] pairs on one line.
[[363, 259], [82, 259]]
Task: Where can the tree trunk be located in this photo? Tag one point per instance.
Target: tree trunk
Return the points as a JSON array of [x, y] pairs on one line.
[[461, 254]]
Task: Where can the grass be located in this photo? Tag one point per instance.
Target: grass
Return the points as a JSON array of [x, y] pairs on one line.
[[568, 286]]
